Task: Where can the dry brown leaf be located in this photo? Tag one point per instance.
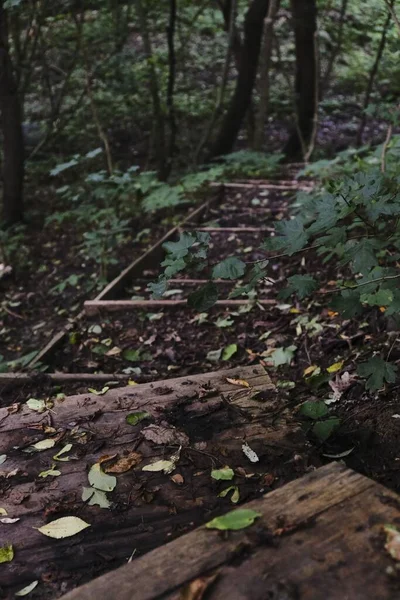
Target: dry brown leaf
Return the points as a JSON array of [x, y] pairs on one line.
[[241, 382], [178, 479], [106, 458], [125, 463], [165, 435], [196, 588], [14, 408]]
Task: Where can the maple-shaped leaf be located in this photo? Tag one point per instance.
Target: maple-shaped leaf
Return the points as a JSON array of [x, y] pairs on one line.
[[377, 371]]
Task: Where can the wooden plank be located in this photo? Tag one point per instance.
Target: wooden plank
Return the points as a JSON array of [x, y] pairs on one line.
[[93, 307], [265, 186], [318, 538], [206, 415]]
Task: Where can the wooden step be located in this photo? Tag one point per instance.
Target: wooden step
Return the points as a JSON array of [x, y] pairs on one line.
[[318, 538], [208, 416]]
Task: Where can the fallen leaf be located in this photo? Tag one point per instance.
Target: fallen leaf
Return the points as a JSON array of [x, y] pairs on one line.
[[95, 497], [165, 435], [335, 367], [235, 496], [27, 589], [229, 351], [251, 455], [6, 553], [234, 520], [114, 351], [125, 463], [37, 405], [309, 370], [64, 527], [52, 472], [3, 458], [100, 480], [8, 521], [225, 474], [196, 588], [177, 478], [64, 450], [135, 418], [99, 392], [340, 384], [44, 444], [167, 466], [3, 511], [241, 382], [392, 541], [341, 454], [214, 355]]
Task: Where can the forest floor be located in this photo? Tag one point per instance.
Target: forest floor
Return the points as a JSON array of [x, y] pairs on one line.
[[307, 349]]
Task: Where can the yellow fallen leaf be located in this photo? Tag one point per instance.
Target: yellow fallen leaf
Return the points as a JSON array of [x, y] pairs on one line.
[[44, 444], [335, 367], [295, 311], [131, 382], [241, 382], [3, 512], [64, 527], [309, 370], [332, 314], [382, 309]]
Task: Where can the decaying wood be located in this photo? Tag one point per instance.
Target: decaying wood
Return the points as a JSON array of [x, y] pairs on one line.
[[318, 538], [205, 415], [93, 307], [22, 378]]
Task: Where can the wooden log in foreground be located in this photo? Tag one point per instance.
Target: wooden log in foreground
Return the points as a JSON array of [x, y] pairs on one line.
[[202, 419], [318, 538]]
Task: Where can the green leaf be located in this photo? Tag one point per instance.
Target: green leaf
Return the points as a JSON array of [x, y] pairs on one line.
[[382, 297], [64, 450], [222, 323], [101, 392], [214, 355], [324, 429], [348, 304], [314, 410], [52, 472], [282, 356], [180, 249], [256, 273], [230, 268], [235, 496], [135, 418], [27, 589], [164, 196], [96, 497], [234, 520], [294, 238], [63, 527], [157, 288], [377, 371], [363, 255], [302, 285], [6, 553], [38, 405], [204, 298], [100, 480], [131, 355], [225, 474], [229, 351]]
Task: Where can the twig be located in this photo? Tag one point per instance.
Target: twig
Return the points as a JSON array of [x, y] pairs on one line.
[[358, 285]]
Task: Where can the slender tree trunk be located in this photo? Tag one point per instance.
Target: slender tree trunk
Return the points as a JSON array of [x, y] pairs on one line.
[[373, 74], [13, 142], [253, 28], [337, 48], [171, 86], [265, 60], [305, 27], [159, 119]]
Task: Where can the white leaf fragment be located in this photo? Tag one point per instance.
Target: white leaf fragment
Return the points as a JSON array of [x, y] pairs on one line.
[[27, 589], [251, 455], [8, 520], [100, 480]]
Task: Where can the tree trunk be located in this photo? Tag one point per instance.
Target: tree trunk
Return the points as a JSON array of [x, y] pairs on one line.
[[264, 83], [253, 29], [13, 142], [305, 27]]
